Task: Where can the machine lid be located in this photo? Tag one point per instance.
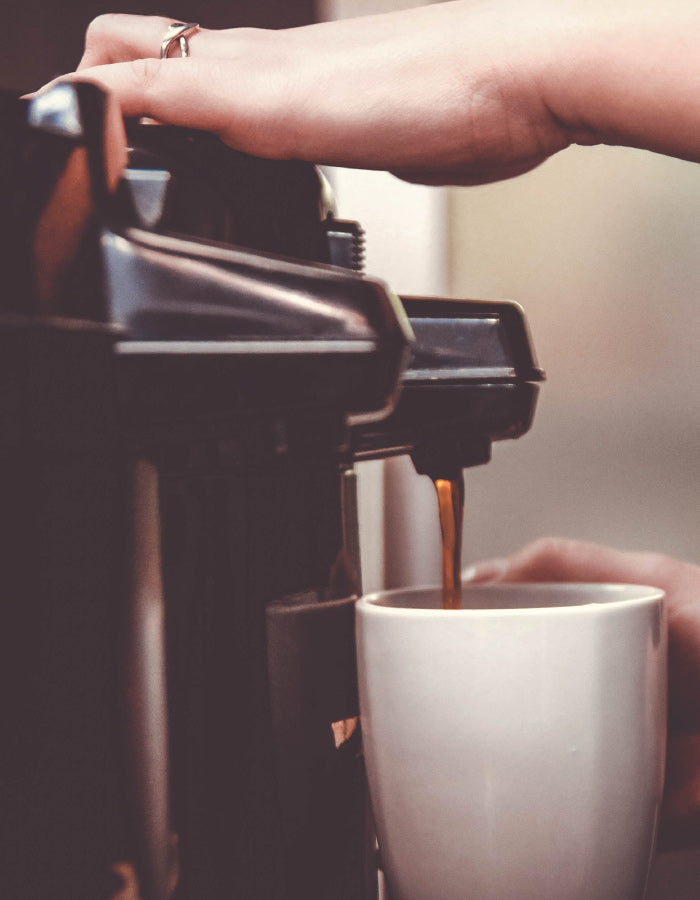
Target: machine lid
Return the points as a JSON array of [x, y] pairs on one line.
[[469, 341], [265, 327], [472, 379]]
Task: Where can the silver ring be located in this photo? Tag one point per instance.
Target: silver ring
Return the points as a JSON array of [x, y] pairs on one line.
[[177, 33]]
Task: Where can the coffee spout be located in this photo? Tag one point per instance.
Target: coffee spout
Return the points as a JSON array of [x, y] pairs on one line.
[[472, 379], [445, 454]]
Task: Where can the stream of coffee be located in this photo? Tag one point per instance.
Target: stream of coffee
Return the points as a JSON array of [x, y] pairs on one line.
[[450, 494]]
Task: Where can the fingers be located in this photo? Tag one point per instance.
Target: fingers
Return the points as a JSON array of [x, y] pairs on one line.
[[114, 38], [196, 93], [235, 83], [167, 90], [558, 559]]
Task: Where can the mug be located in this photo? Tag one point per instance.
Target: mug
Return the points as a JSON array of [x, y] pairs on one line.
[[515, 747]]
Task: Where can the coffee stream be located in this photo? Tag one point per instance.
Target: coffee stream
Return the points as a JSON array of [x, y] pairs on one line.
[[450, 494]]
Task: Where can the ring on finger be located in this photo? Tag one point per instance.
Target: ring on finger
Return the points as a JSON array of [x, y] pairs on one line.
[[177, 34]]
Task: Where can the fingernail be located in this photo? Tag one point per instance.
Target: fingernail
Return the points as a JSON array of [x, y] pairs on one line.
[[486, 570]]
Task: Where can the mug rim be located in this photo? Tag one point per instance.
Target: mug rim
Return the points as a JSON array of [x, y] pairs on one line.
[[628, 595]]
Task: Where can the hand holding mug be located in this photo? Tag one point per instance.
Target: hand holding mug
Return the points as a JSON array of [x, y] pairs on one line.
[[555, 559]]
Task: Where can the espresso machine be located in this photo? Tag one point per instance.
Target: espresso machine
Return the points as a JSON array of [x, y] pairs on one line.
[[192, 362]]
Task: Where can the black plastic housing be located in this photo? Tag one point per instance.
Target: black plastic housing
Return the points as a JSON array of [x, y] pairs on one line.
[[184, 376], [471, 379]]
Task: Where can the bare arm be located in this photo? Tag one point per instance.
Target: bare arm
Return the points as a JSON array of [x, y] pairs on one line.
[[459, 92]]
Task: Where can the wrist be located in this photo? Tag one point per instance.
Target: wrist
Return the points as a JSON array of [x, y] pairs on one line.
[[627, 75]]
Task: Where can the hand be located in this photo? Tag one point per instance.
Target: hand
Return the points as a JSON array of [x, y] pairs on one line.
[[563, 560], [461, 92], [389, 92]]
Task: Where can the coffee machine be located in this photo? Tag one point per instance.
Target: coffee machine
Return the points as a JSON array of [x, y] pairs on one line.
[[192, 362]]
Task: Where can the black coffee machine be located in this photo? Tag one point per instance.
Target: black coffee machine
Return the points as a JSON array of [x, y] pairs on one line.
[[191, 363]]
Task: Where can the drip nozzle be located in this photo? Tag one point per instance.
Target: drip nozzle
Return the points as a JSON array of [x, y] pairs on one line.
[[444, 455]]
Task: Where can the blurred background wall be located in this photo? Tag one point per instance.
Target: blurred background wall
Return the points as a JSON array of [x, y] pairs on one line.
[[600, 246]]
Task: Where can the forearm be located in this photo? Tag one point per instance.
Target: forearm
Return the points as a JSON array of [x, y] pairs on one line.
[[452, 89], [470, 87]]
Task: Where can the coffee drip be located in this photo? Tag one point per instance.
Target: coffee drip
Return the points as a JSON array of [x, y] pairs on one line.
[[450, 494]]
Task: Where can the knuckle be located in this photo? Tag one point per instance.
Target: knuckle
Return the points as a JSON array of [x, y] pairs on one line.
[[550, 550], [102, 25], [103, 39], [656, 568]]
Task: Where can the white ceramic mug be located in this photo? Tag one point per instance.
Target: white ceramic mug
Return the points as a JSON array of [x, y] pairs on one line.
[[515, 748]]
